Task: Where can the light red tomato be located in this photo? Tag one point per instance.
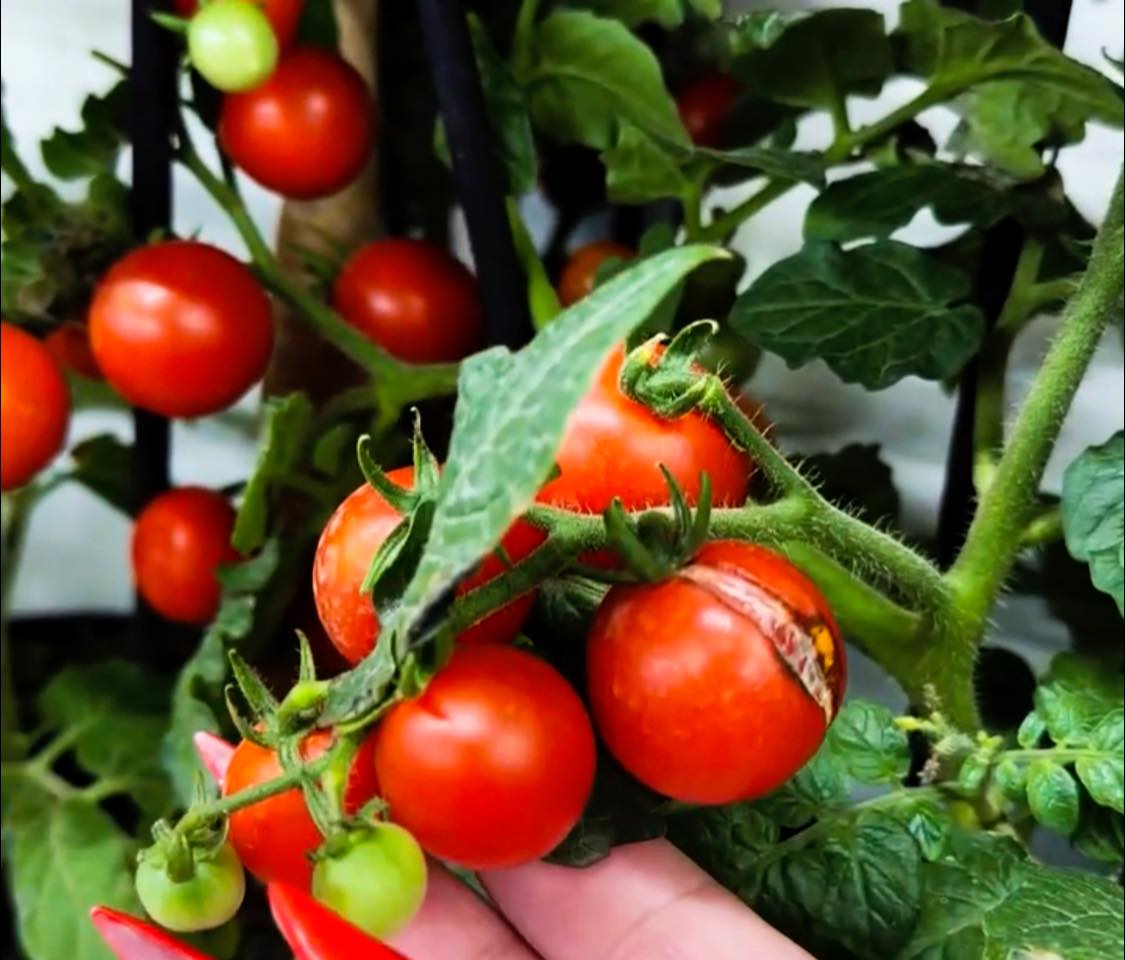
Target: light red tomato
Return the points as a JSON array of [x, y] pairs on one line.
[[581, 270], [413, 299], [349, 541], [492, 764], [34, 406], [274, 837], [720, 682], [181, 328], [307, 131]]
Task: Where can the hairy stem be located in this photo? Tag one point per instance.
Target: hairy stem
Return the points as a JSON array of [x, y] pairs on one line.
[[1010, 502]]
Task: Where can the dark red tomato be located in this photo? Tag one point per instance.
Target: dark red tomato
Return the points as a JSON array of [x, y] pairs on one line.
[[283, 15], [581, 269], [181, 328], [34, 406], [413, 299], [307, 131], [613, 447], [718, 683], [180, 539], [69, 345], [350, 539], [492, 764], [274, 837], [704, 105]]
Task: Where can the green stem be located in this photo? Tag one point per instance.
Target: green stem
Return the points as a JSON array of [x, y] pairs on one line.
[[1043, 529], [17, 513], [1010, 502]]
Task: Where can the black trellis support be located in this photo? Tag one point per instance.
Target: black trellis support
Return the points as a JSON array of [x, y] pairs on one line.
[[477, 174], [152, 102], [999, 253]]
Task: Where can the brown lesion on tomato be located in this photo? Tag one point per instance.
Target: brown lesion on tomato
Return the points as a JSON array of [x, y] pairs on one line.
[[806, 646]]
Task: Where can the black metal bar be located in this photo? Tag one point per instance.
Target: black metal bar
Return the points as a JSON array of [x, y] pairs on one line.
[[477, 174], [998, 259], [152, 102]]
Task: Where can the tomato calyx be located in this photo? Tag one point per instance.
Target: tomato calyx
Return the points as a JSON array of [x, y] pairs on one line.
[[668, 377]]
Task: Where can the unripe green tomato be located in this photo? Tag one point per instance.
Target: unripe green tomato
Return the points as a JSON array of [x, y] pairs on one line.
[[210, 897], [232, 45], [375, 880]]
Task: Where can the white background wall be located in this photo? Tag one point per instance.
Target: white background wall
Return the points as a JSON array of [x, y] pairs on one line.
[[76, 555]]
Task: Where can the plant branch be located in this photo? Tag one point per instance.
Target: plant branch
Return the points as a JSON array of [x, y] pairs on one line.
[[1009, 504]]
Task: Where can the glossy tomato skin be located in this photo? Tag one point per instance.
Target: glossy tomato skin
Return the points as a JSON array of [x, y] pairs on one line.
[[581, 270], [492, 764], [283, 15], [704, 105], [181, 328], [274, 837], [689, 688], [413, 299], [307, 131], [69, 346], [613, 447], [348, 542], [34, 406], [180, 539]]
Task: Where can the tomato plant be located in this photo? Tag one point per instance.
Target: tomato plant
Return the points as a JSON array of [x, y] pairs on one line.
[[34, 406], [275, 837], [413, 299], [492, 764], [181, 328], [307, 131], [232, 44], [767, 423], [376, 878], [180, 539]]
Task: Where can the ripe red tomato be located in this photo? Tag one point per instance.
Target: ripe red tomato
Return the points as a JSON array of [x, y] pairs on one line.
[[581, 269], [307, 131], [69, 345], [283, 15], [718, 683], [181, 328], [274, 837], [613, 447], [350, 539], [413, 299], [180, 539], [704, 105], [34, 406], [492, 764]]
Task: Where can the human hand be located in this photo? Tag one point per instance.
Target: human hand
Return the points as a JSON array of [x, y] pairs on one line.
[[646, 901]]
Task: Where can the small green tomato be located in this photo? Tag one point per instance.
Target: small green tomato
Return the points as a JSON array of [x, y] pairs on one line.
[[232, 45], [210, 897], [374, 878]]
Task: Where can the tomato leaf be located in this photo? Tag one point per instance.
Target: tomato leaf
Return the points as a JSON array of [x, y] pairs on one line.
[[813, 61], [1052, 796], [786, 165], [1017, 907], [638, 169], [103, 464], [876, 204], [874, 314], [1093, 512], [94, 148], [872, 747], [1076, 695], [667, 13], [586, 74]]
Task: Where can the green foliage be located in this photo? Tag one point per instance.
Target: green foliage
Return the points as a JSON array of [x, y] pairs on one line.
[[1093, 513], [874, 314], [103, 465], [666, 13]]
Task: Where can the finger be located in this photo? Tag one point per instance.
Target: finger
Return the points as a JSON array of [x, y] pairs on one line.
[[645, 901], [455, 924]]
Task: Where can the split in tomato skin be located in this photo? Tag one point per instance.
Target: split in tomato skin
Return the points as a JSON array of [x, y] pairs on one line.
[[581, 270], [719, 683], [275, 837], [34, 406], [492, 764], [307, 131], [180, 539], [413, 299], [181, 328], [350, 539], [704, 105], [613, 447]]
